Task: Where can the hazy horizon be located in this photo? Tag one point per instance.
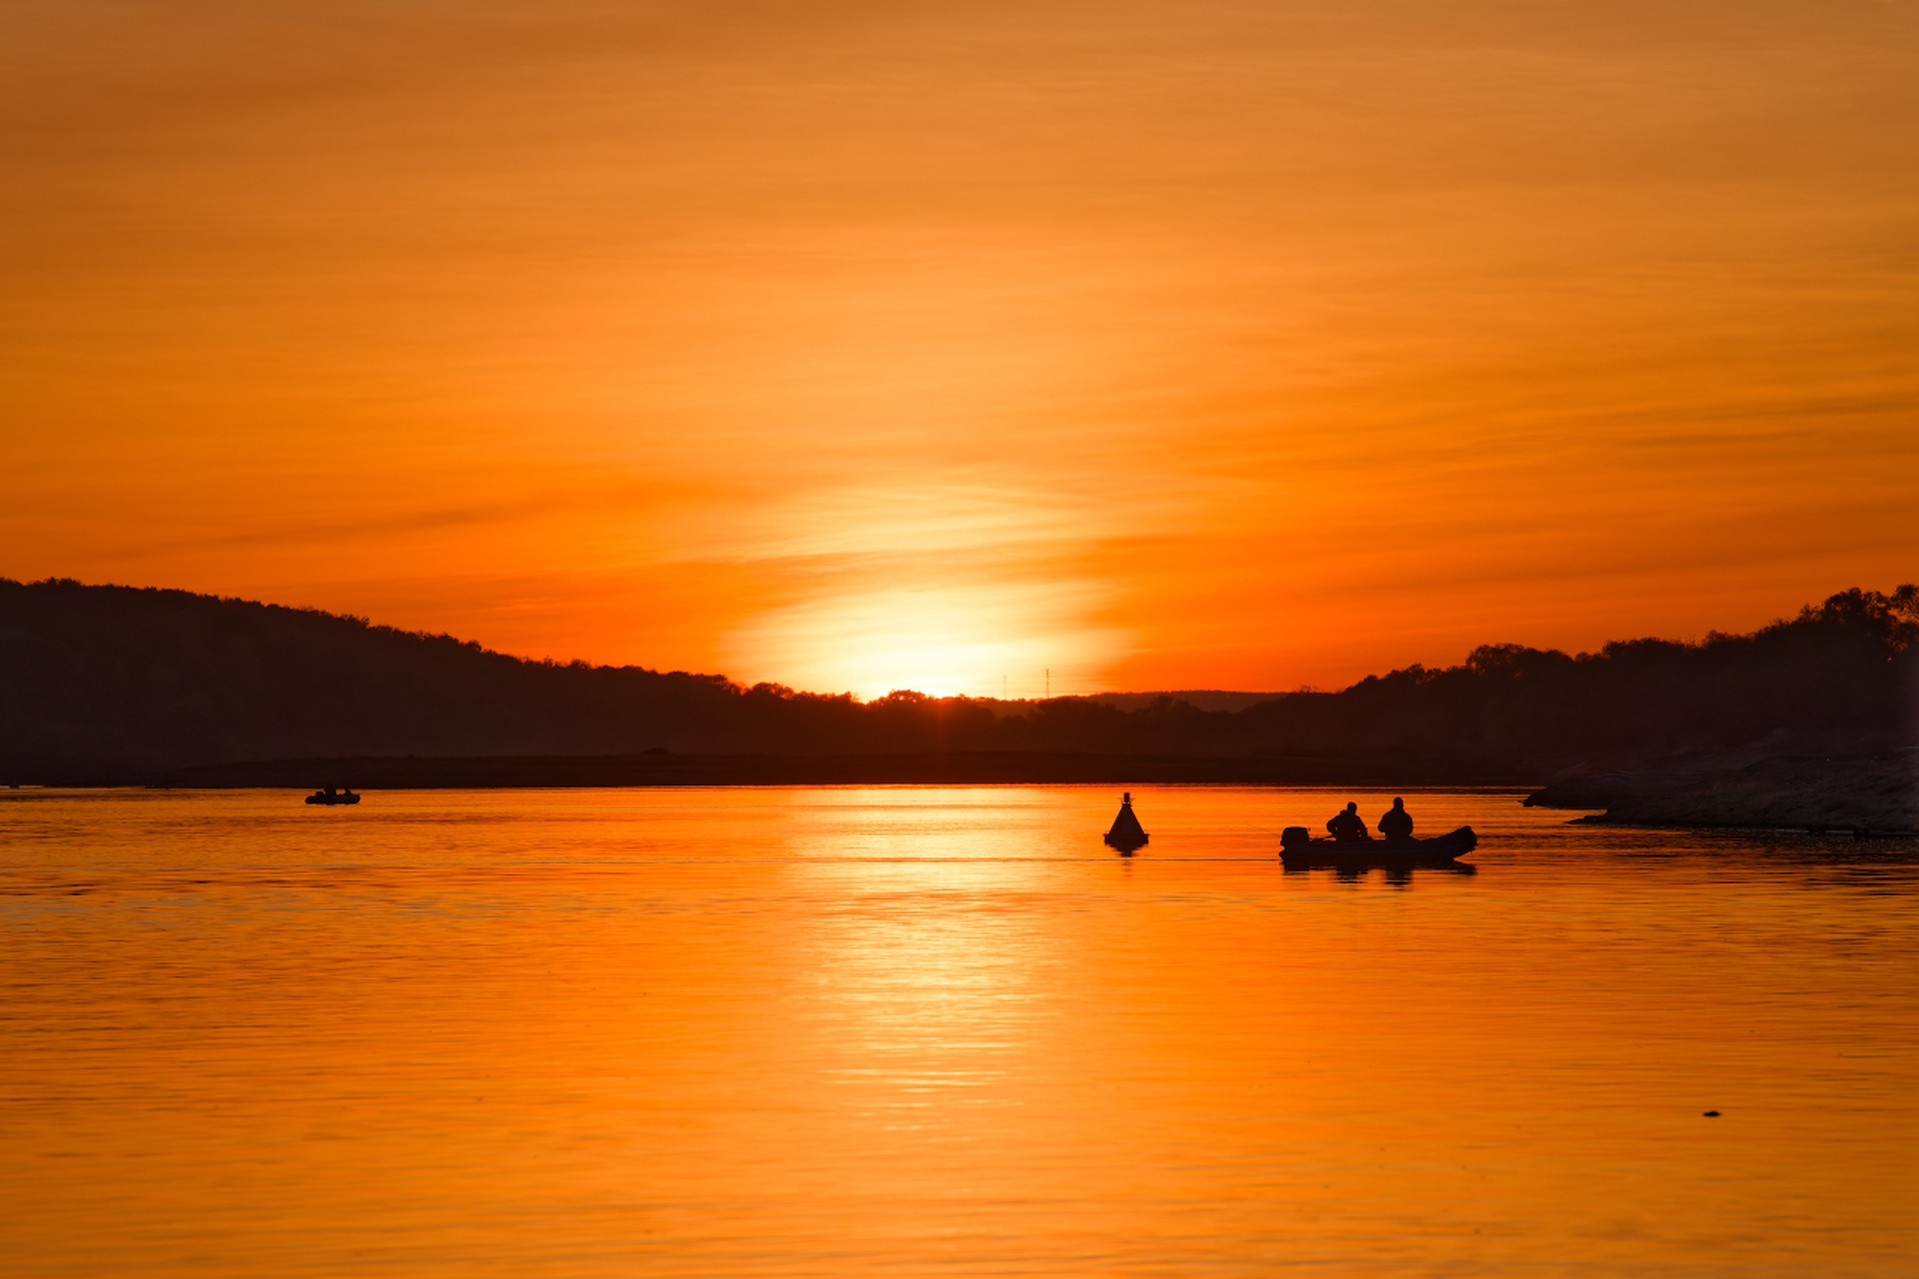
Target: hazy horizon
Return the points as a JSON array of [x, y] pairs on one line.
[[1235, 696]]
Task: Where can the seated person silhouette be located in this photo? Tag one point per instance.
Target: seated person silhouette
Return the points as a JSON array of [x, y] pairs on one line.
[[1348, 827], [1397, 823]]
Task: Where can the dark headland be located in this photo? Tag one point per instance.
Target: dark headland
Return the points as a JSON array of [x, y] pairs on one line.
[[1811, 722]]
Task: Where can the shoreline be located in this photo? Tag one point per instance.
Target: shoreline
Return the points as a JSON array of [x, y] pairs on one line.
[[1743, 828], [1815, 796], [1865, 794], [660, 768]]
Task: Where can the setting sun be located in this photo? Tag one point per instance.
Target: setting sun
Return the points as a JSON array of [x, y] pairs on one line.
[[979, 641]]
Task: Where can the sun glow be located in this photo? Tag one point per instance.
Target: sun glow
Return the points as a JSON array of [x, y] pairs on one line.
[[979, 641]]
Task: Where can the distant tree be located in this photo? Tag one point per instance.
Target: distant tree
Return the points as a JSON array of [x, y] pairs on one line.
[[116, 682]]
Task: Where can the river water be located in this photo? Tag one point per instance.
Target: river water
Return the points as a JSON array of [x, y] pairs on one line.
[[920, 1031]]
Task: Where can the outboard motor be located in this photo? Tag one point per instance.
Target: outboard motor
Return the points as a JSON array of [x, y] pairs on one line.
[[1295, 837]]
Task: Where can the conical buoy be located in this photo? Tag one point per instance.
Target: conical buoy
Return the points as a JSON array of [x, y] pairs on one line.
[[1126, 834]]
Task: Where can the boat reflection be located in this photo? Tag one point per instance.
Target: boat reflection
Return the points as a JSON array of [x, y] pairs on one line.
[[1399, 876]]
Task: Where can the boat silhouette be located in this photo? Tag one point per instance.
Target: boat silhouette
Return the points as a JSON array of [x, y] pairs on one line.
[[1298, 850], [334, 795]]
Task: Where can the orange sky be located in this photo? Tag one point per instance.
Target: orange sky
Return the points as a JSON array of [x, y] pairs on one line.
[[855, 345]]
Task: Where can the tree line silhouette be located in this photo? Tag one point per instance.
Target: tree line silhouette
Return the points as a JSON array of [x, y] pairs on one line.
[[123, 684]]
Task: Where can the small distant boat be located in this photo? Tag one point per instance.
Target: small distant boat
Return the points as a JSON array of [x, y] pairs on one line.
[[1127, 835], [332, 795], [1298, 850]]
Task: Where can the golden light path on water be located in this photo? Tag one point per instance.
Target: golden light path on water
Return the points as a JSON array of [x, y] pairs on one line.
[[909, 1031]]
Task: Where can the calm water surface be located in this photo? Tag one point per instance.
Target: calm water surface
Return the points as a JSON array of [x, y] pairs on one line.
[[918, 1031]]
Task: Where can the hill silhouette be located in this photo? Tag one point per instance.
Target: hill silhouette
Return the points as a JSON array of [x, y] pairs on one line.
[[121, 684]]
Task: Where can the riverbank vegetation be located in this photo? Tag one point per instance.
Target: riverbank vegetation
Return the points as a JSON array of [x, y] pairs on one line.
[[104, 684]]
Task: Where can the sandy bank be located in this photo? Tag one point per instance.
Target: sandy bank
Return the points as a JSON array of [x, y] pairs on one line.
[[1877, 793]]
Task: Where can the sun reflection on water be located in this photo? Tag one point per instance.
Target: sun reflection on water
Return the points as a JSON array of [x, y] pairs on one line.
[[929, 975]]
